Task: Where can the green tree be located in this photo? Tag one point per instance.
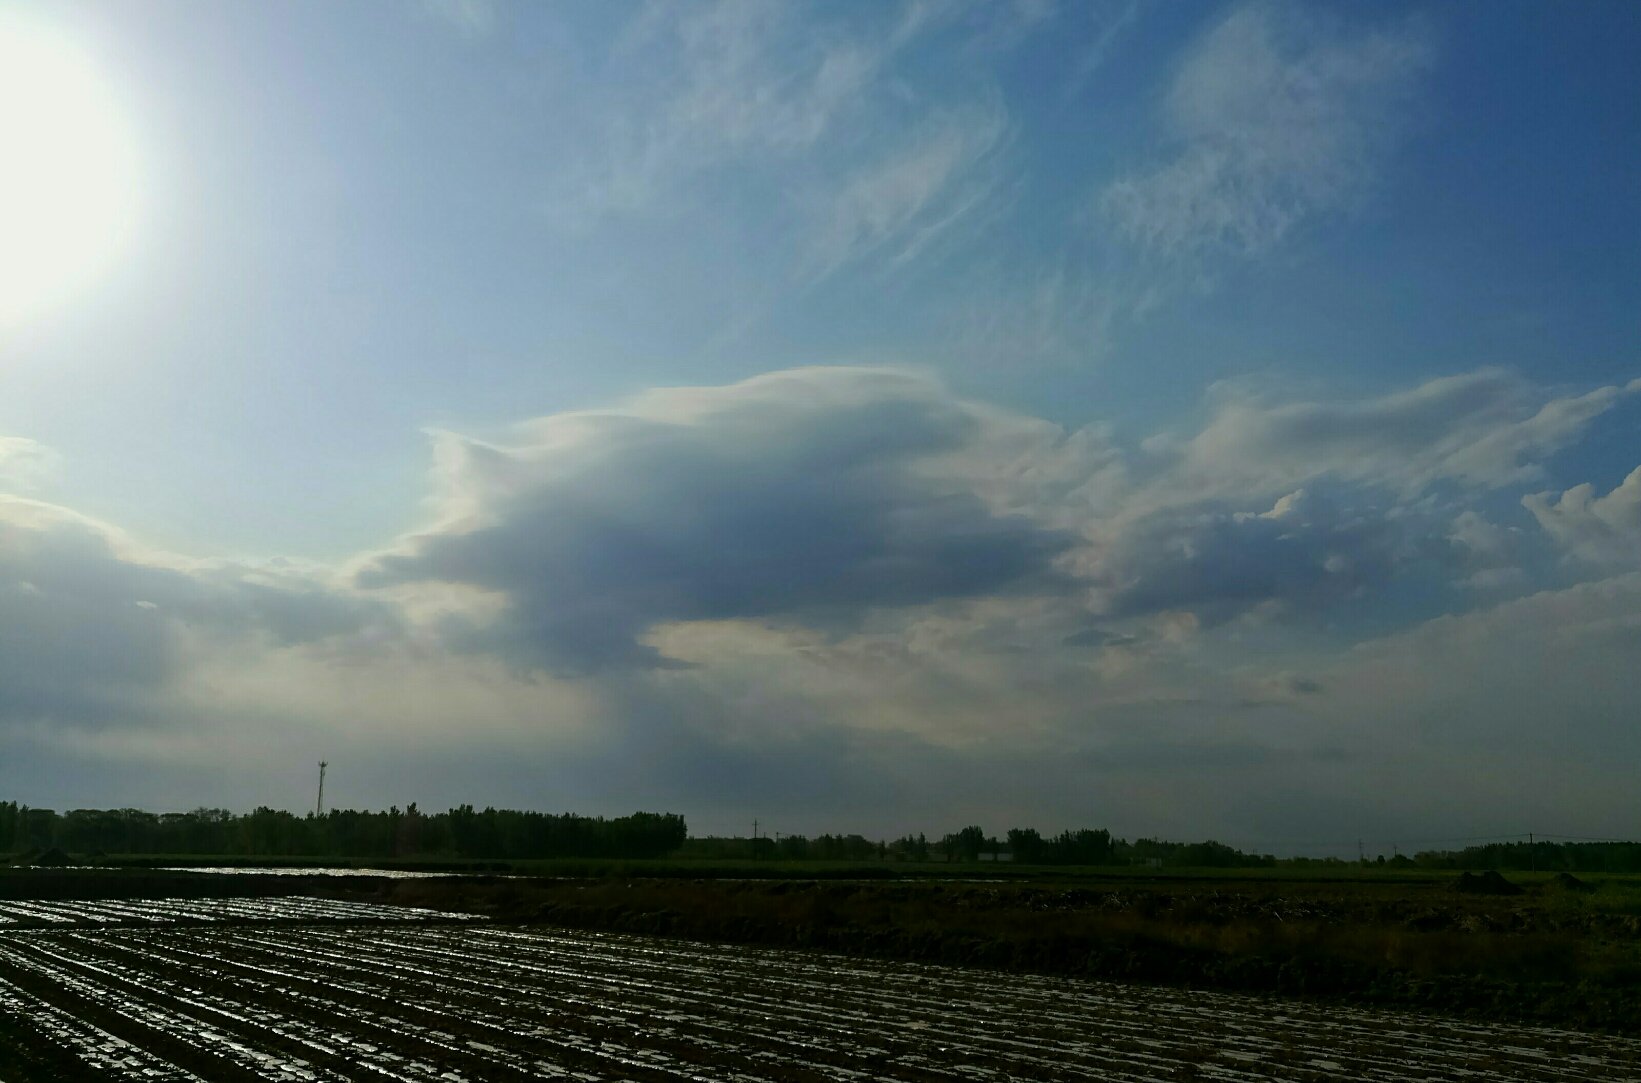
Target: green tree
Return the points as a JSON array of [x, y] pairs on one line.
[[1026, 845]]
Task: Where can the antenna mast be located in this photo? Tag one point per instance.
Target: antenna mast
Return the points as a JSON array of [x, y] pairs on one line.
[[319, 806]]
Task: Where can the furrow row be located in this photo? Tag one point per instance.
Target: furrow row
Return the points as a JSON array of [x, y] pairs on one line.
[[458, 1003]]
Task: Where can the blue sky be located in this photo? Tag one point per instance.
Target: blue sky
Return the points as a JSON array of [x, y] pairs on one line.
[[1191, 419]]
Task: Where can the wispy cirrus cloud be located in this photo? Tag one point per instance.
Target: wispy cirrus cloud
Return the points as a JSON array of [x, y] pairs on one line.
[[904, 201], [1108, 22], [470, 18], [820, 131], [1275, 119], [706, 85]]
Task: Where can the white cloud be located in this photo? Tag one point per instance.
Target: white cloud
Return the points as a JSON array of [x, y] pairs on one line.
[[905, 200], [26, 465], [826, 140], [1276, 119], [1485, 429], [1603, 530], [471, 18], [714, 83], [1109, 22]]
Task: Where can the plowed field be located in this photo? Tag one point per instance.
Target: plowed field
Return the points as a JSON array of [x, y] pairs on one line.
[[469, 1002]]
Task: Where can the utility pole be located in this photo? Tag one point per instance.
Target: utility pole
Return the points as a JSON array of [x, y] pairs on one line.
[[319, 805]]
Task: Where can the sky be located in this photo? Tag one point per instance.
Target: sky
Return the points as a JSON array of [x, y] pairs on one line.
[[1197, 420]]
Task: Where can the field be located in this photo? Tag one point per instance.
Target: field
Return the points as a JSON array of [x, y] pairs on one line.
[[1550, 955], [419, 1000], [261, 974]]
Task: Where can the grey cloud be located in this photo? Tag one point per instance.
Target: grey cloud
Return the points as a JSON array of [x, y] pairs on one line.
[[1097, 637], [1218, 755], [1603, 530], [1304, 553], [1541, 679], [1294, 684], [1487, 556], [793, 498], [957, 610], [88, 629], [816, 497]]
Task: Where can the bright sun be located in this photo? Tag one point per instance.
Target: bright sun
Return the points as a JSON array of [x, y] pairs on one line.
[[68, 170]]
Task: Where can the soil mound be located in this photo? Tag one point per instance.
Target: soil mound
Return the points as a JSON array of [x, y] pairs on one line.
[[1566, 881], [1484, 883], [53, 857]]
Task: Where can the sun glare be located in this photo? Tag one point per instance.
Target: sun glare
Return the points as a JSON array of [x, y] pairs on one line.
[[68, 170]]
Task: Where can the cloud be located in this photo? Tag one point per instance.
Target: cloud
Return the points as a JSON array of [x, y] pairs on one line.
[[26, 465], [828, 142], [1484, 429], [1278, 118], [1302, 554], [857, 592], [1060, 313], [1488, 556], [798, 497], [1109, 23], [1539, 678], [830, 499], [470, 18], [722, 82], [1276, 509], [1602, 530], [1294, 684], [905, 200], [1275, 120], [94, 628]]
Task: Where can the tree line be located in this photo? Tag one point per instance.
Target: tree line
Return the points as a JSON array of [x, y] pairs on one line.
[[506, 834], [462, 832], [1541, 856], [1026, 846]]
